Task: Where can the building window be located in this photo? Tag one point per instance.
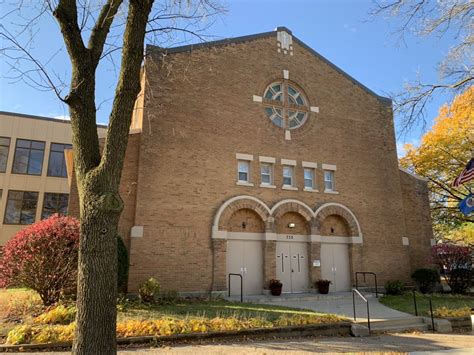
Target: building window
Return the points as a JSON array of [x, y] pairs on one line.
[[329, 181], [287, 175], [285, 105], [21, 207], [54, 203], [4, 148], [57, 163], [243, 171], [309, 178], [266, 174], [28, 157]]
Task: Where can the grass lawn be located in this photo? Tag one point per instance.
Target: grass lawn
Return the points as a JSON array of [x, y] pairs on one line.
[[404, 303], [19, 309], [208, 309]]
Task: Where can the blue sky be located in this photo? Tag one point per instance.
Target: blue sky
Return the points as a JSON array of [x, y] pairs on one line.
[[340, 30]]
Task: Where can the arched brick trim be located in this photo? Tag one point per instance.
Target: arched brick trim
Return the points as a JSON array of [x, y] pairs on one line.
[[237, 203], [338, 209], [290, 205]]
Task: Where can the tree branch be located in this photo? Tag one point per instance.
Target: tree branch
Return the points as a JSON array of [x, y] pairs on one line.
[[101, 29], [66, 14]]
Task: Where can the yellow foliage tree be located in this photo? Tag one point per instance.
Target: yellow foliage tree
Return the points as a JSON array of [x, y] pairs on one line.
[[442, 154]]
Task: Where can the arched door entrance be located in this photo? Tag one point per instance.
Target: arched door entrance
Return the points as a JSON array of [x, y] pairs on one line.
[[335, 262], [292, 258], [245, 251]]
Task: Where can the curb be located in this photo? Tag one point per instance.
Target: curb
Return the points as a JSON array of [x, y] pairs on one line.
[[330, 329]]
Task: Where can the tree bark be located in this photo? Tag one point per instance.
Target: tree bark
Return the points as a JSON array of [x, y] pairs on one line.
[[98, 176]]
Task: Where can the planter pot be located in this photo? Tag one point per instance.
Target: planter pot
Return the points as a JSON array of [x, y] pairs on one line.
[[323, 288], [276, 290]]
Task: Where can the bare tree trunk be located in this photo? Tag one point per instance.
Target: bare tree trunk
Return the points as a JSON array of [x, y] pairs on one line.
[[98, 176]]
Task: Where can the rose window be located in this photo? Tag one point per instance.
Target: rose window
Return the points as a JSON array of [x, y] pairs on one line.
[[285, 105]]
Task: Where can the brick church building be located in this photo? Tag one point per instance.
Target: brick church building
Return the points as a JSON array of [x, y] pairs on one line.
[[255, 155]]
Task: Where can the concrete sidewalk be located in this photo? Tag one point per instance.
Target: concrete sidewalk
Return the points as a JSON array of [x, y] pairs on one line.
[[425, 343], [337, 303]]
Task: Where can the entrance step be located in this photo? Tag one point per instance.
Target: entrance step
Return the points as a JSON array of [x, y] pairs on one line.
[[297, 297], [396, 325]]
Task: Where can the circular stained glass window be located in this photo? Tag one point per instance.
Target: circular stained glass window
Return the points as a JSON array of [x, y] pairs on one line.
[[285, 105]]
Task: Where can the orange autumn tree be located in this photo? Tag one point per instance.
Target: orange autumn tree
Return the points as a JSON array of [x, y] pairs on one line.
[[441, 156]]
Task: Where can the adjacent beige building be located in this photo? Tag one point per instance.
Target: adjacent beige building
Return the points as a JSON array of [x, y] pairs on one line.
[[33, 174]]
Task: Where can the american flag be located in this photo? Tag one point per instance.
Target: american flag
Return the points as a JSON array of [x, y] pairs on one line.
[[466, 175]]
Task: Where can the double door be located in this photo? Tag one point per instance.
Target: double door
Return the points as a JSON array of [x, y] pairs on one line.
[[335, 266], [292, 266], [245, 257]]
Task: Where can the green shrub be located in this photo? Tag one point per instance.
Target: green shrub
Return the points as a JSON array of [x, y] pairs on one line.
[[426, 279], [148, 290], [122, 265], [394, 287]]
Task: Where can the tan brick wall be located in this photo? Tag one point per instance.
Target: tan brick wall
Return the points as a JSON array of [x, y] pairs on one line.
[[247, 221], [302, 226], [417, 219], [199, 113], [334, 225]]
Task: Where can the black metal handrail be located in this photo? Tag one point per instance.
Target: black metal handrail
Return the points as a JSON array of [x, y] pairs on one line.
[[241, 286], [431, 309], [354, 291], [367, 273]]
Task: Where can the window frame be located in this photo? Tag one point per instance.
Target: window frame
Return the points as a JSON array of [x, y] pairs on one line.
[[29, 156], [333, 182], [292, 176], [247, 163], [63, 162], [312, 171], [21, 210], [270, 174], [8, 152], [44, 201]]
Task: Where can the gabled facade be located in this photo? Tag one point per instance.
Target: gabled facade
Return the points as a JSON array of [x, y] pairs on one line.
[[257, 156]]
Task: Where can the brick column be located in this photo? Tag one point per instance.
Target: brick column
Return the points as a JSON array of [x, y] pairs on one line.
[[269, 261], [219, 249], [314, 271]]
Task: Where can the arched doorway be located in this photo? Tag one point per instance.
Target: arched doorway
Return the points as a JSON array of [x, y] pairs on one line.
[[338, 231], [292, 256], [335, 261], [245, 251]]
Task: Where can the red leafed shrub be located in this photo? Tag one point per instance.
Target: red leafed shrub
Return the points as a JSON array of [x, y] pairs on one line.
[[455, 263], [43, 257]]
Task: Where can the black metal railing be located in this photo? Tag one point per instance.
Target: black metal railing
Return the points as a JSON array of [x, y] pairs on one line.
[[431, 309], [354, 292], [367, 273], [241, 286]]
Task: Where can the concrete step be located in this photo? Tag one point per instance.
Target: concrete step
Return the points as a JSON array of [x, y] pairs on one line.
[[408, 321], [399, 329], [397, 325]]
